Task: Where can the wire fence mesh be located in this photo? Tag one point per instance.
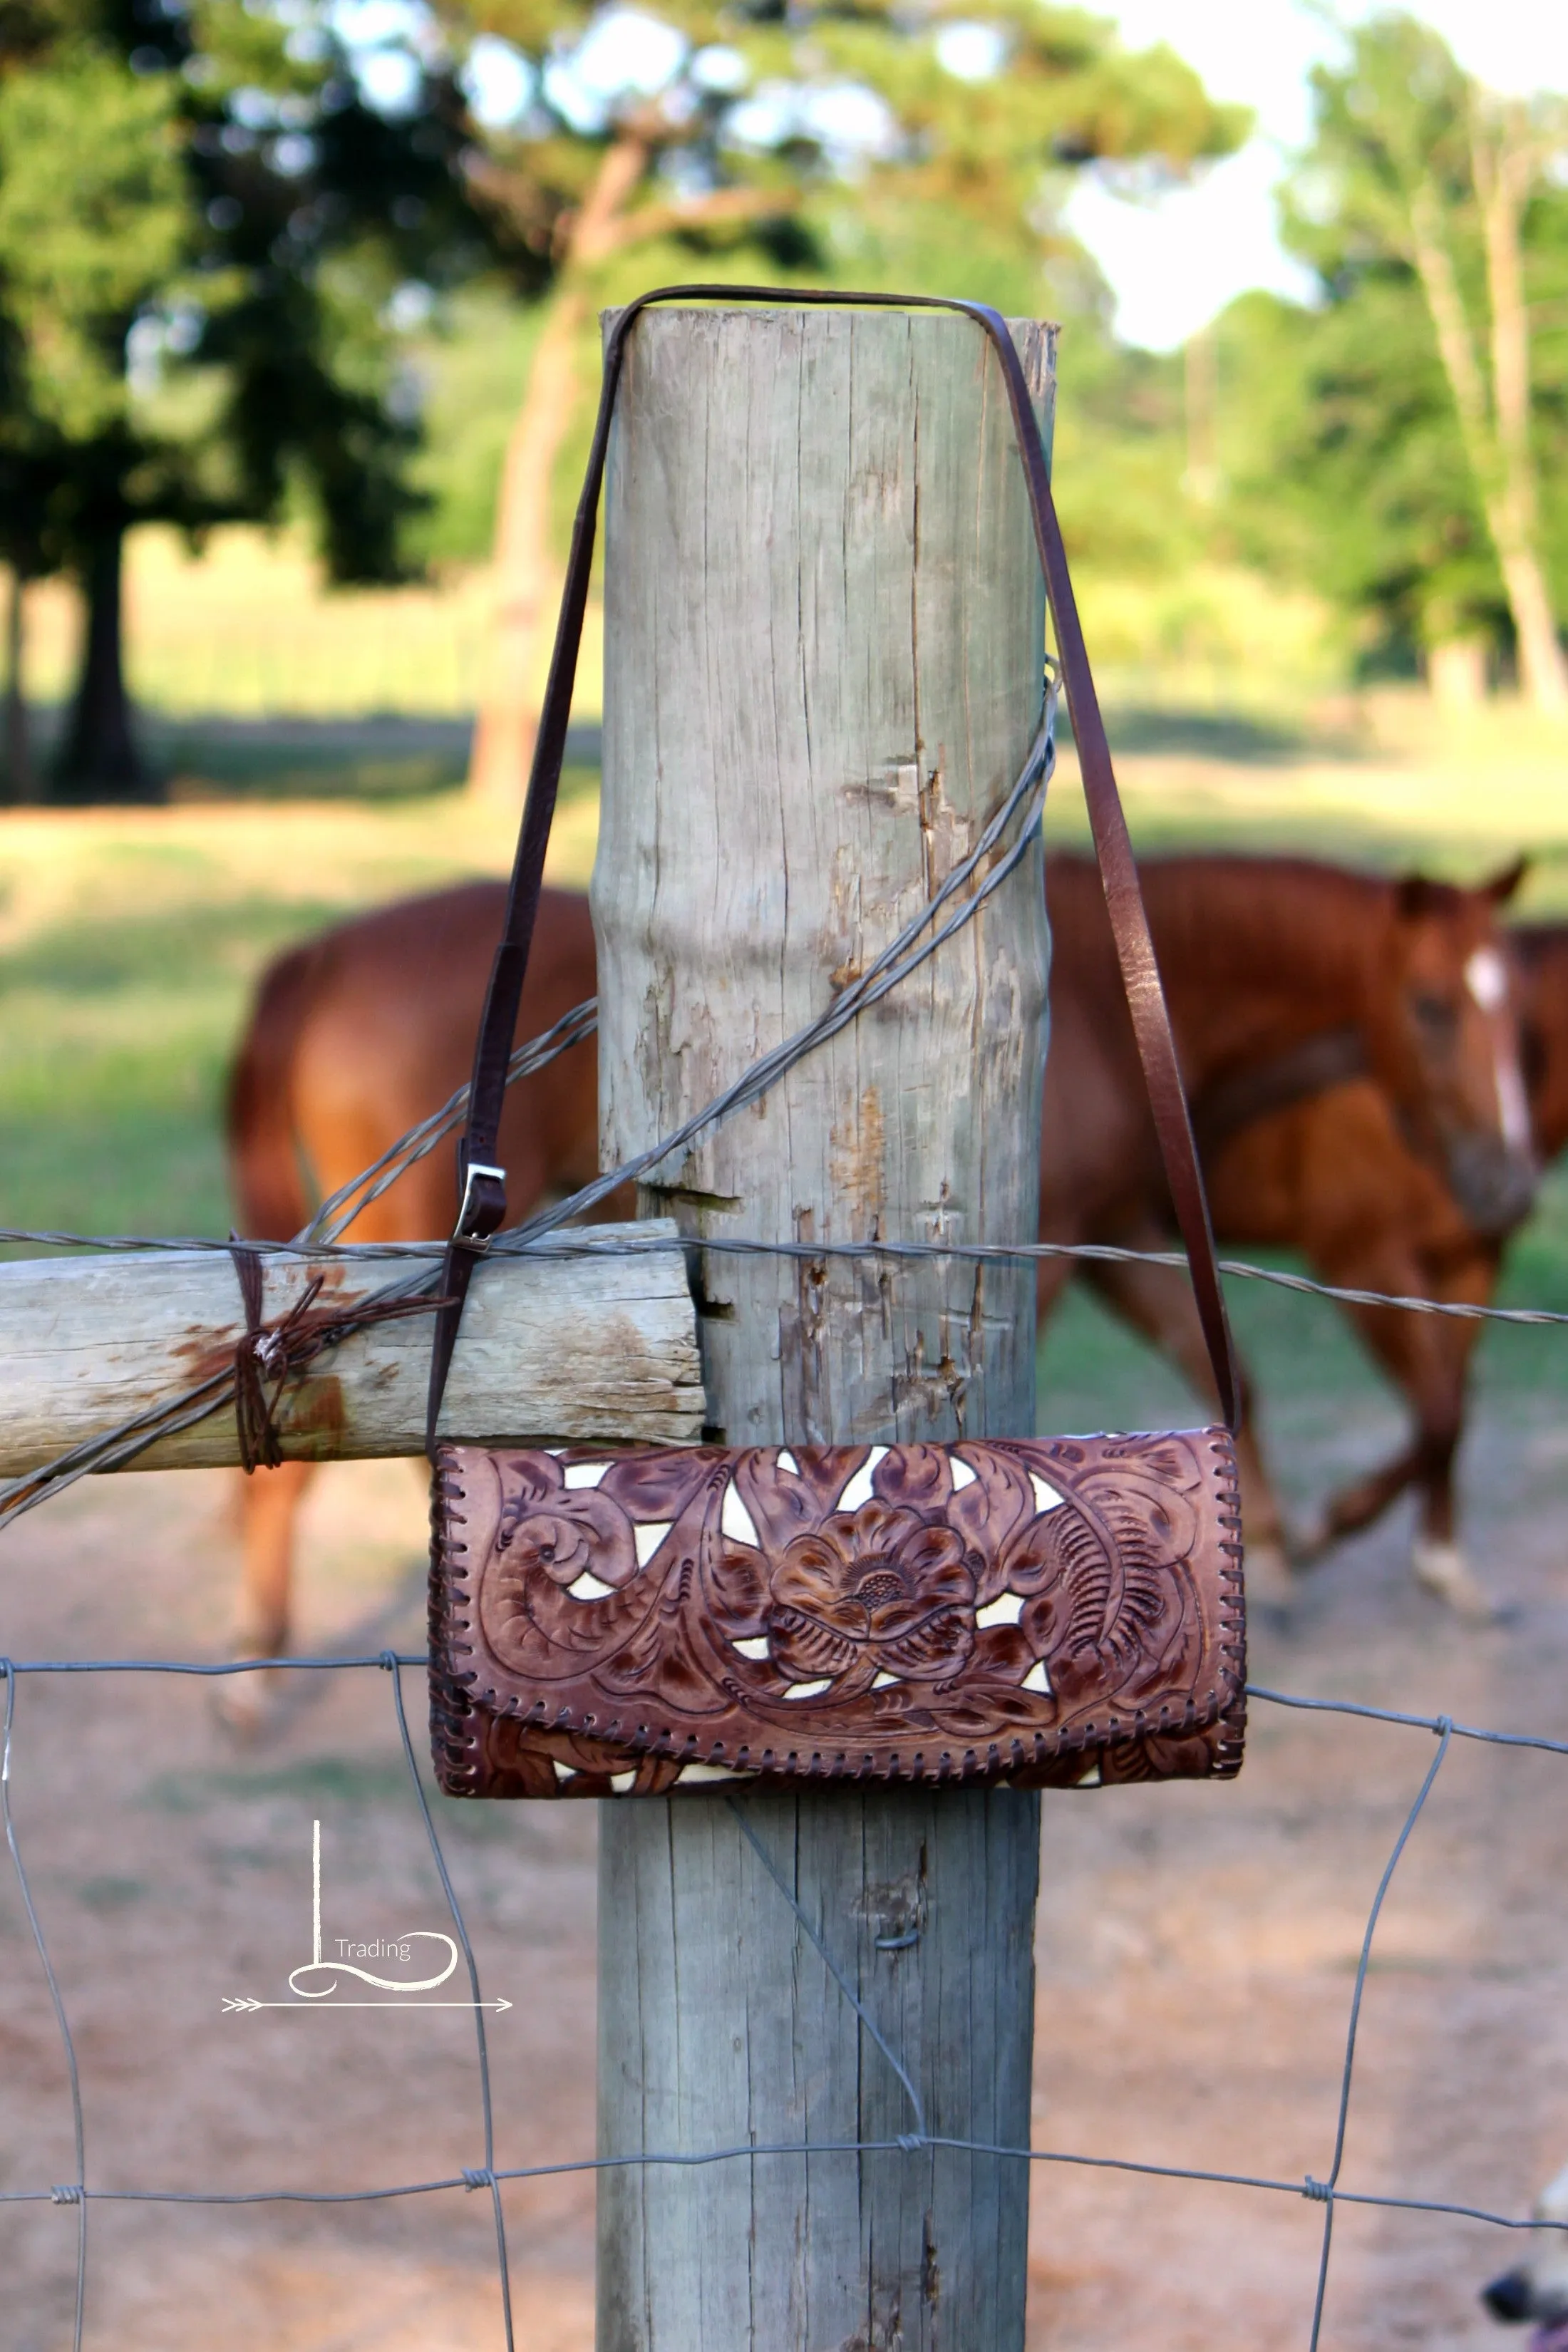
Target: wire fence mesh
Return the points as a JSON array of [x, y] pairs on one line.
[[79, 2195]]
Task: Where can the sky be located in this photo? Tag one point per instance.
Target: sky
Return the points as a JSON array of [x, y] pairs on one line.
[[1174, 262]]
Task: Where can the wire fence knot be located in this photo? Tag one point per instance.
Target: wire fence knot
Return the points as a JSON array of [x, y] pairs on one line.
[[478, 2175], [389, 1662], [1321, 2192], [70, 2192], [1442, 1725], [912, 2143]]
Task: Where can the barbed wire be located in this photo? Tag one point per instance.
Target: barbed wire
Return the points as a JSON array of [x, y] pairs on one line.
[[340, 1209], [1330, 2191], [587, 1241], [114, 1448], [933, 923]]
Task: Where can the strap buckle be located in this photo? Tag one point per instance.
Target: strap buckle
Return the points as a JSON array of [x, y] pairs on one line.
[[482, 1211]]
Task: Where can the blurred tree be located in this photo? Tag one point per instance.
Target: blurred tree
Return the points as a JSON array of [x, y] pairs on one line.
[[842, 135], [1417, 408], [1341, 466], [30, 476], [205, 220]]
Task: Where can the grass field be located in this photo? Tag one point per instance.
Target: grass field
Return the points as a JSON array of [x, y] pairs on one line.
[[128, 945]]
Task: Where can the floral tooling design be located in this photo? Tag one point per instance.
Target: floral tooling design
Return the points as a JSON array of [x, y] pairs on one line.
[[874, 1594], [1001, 1608]]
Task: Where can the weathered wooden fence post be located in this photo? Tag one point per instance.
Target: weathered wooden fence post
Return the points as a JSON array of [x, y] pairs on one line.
[[824, 631]]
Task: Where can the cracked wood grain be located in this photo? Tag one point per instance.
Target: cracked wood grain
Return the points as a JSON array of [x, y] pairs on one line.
[[572, 1348], [823, 629]]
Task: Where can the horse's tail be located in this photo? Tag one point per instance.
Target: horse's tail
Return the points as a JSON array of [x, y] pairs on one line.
[[265, 1174]]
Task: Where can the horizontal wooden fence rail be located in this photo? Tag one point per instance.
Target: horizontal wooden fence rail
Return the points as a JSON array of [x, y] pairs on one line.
[[551, 1346]]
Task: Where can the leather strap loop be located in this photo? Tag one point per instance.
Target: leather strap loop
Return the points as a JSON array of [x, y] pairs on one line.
[[1113, 850]]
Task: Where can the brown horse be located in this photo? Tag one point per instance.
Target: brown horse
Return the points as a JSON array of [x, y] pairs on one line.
[[359, 1034], [1361, 1104], [1445, 1258], [352, 1038], [1429, 1356]]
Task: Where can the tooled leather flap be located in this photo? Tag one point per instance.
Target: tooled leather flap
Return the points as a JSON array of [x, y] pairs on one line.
[[897, 1611]]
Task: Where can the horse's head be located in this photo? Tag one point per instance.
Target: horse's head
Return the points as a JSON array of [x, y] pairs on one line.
[[1447, 1043]]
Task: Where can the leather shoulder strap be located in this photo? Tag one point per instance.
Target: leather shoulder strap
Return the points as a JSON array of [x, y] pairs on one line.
[[483, 1183]]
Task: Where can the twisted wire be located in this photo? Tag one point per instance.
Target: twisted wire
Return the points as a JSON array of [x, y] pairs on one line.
[[340, 1209], [903, 955], [587, 1242], [114, 1448], [1023, 805]]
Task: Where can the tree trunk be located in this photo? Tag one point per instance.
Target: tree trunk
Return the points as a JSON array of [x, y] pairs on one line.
[[1504, 169], [98, 760], [1200, 390], [1503, 182], [1456, 673], [525, 570], [1542, 671], [1495, 433], [18, 786], [823, 637]]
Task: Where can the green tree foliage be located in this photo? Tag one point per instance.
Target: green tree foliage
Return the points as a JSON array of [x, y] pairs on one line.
[[864, 142], [1405, 443], [946, 137], [91, 220], [1344, 470], [215, 223], [202, 224]]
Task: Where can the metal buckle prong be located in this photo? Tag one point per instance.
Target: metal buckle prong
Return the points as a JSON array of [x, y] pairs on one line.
[[460, 1232]]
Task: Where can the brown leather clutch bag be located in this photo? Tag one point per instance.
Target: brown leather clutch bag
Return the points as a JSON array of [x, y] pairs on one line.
[[1047, 1613]]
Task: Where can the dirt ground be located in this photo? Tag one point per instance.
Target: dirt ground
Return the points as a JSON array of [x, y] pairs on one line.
[[1197, 1950]]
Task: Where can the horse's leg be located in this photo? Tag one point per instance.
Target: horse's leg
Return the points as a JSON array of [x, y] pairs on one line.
[[270, 1501], [1052, 1275], [1427, 1358], [1158, 1302], [1363, 1502], [1471, 1282], [269, 1505], [1437, 1557]]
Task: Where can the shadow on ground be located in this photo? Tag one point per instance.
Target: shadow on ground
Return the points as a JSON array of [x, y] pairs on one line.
[[383, 756]]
